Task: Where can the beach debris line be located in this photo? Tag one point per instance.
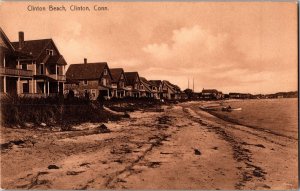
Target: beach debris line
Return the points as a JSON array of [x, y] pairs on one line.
[[53, 166]]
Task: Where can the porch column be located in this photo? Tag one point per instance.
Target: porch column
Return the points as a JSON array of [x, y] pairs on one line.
[[45, 87], [107, 93], [56, 72], [33, 80], [18, 86], [58, 87], [33, 88], [18, 66], [48, 91], [4, 84]]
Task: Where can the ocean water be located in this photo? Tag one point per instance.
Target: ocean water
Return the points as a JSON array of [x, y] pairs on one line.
[[276, 115]]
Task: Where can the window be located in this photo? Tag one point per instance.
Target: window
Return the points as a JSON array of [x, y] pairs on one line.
[[42, 68], [25, 87], [58, 72], [24, 66], [122, 77], [142, 87], [103, 81], [105, 71], [49, 52], [85, 82]]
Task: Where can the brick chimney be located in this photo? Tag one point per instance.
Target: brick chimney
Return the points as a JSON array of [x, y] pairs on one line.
[[85, 61], [21, 40]]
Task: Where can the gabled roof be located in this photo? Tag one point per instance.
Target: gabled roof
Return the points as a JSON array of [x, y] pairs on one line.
[[34, 47], [155, 82], [56, 59], [146, 83], [87, 71], [116, 74], [6, 45], [5, 42], [131, 77], [173, 87]]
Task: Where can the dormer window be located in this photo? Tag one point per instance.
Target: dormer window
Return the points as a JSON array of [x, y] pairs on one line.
[[85, 82], [105, 72], [122, 77], [49, 52]]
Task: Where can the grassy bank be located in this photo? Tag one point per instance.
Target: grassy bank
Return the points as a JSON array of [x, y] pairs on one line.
[[52, 111]]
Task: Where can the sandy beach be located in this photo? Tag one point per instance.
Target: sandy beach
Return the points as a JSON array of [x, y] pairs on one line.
[[181, 147]]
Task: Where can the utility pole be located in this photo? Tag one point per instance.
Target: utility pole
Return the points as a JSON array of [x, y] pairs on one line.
[[193, 84]]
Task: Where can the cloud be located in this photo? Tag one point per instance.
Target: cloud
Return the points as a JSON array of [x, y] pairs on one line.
[[212, 59]]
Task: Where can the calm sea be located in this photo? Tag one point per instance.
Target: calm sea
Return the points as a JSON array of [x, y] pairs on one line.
[[276, 115]]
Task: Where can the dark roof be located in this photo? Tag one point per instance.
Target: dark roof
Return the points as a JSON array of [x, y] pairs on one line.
[[143, 79], [35, 47], [146, 83], [7, 45], [131, 76], [209, 91], [173, 86], [87, 71], [155, 82], [116, 73], [56, 59], [5, 42]]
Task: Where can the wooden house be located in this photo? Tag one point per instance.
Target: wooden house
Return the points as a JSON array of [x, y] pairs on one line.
[[157, 88], [170, 91], [119, 82], [133, 84], [146, 88], [93, 79], [32, 67]]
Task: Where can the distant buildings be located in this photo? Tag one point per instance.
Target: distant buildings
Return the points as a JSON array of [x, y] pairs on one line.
[[211, 94], [240, 96]]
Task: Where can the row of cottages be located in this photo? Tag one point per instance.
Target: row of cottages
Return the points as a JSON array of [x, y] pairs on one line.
[[97, 79], [36, 68], [31, 67]]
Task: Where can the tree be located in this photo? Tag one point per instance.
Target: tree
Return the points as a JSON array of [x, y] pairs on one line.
[[189, 93]]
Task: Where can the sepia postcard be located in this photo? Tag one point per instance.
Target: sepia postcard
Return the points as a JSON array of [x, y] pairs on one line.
[[149, 95]]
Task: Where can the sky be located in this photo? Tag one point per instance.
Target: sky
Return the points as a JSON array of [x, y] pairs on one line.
[[229, 46]]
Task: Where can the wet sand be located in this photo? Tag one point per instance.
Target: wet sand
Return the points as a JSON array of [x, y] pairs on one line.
[[182, 147]]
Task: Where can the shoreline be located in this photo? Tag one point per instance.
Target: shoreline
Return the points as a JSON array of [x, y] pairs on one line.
[[235, 122]]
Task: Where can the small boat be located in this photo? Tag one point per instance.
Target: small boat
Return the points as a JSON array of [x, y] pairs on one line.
[[208, 108], [228, 109], [236, 109]]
